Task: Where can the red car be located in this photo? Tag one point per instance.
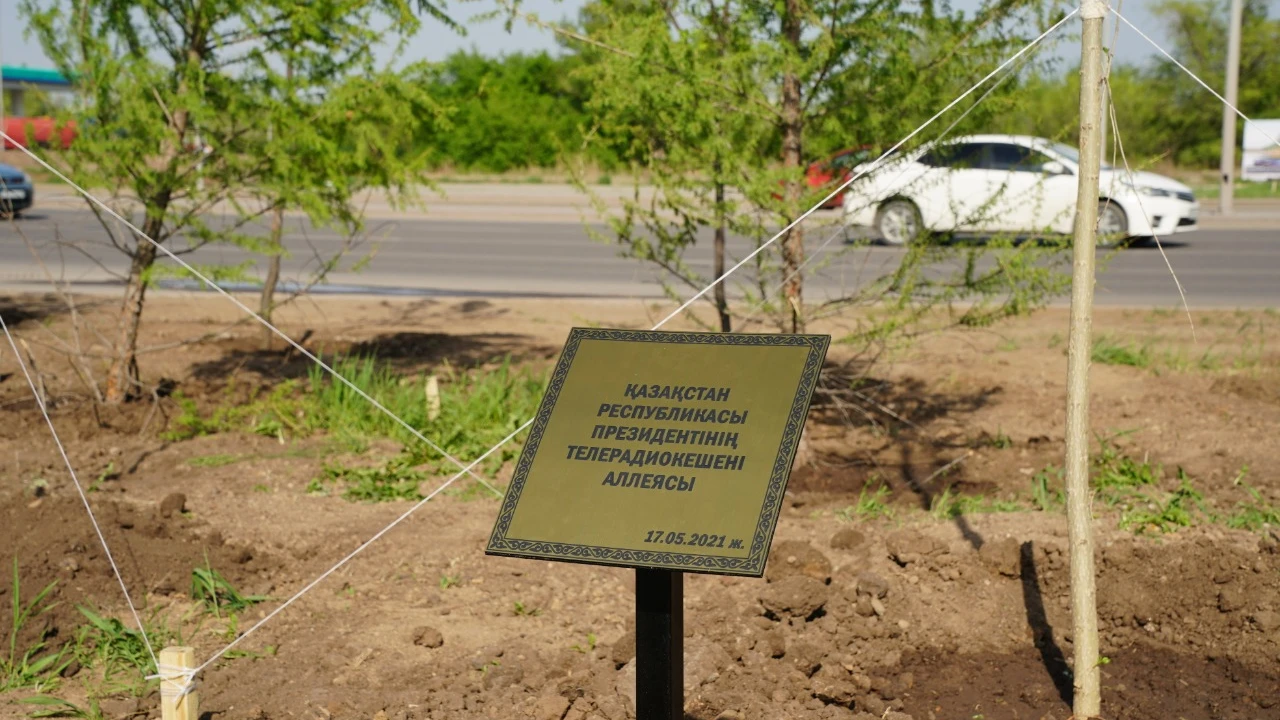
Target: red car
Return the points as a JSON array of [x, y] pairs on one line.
[[44, 132], [825, 175]]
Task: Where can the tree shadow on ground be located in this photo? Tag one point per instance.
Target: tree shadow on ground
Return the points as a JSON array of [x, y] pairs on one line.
[[401, 351], [1055, 662], [898, 414], [19, 309]]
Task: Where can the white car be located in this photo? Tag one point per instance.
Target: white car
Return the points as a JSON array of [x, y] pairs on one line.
[[990, 184]]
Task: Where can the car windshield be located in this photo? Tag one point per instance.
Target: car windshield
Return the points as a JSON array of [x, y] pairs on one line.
[[1072, 154]]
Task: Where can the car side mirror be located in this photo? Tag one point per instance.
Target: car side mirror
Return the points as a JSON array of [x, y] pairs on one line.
[[1053, 167]]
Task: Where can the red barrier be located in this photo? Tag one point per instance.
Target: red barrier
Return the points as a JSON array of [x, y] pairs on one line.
[[44, 132]]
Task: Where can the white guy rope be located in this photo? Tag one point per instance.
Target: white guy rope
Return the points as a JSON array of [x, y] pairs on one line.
[[83, 498], [1115, 132], [1195, 77], [214, 286], [875, 165], [175, 681], [662, 322]]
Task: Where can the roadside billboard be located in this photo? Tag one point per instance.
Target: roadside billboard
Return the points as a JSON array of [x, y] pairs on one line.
[[1261, 151]]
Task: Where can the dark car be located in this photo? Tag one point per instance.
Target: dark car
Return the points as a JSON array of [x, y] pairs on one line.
[[16, 191]]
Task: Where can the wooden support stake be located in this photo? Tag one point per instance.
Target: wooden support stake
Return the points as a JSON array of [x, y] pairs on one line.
[[1086, 702], [174, 704]]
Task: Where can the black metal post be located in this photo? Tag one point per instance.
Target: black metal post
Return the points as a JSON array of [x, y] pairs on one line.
[[659, 645]]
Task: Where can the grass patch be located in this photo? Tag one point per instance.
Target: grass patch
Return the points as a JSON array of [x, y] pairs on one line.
[[213, 461], [36, 666], [1108, 351], [1047, 492], [949, 505], [1176, 511], [118, 652], [217, 594], [477, 409], [869, 506]]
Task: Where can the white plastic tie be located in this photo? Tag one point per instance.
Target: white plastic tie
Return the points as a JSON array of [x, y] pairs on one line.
[[1093, 9], [175, 681]]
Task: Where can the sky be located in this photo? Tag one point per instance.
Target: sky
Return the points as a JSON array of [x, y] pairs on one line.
[[436, 42]]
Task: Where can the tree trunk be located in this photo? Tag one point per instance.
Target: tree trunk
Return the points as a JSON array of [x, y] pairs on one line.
[[792, 141], [722, 304], [268, 299], [123, 382]]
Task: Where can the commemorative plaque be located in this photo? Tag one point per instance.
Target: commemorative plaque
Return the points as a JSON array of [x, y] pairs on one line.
[[666, 452], [661, 450]]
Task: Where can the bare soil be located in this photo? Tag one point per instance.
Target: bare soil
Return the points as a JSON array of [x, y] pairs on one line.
[[891, 612]]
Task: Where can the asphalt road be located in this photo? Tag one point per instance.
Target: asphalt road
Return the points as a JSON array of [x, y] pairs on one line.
[[1218, 268]]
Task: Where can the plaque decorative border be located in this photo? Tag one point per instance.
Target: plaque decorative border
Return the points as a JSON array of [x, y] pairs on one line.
[[751, 565]]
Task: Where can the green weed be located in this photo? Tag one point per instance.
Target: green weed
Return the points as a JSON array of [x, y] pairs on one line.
[[869, 506], [1175, 512], [52, 707], [394, 480], [448, 581], [213, 461], [1254, 514], [116, 650], [1116, 475], [590, 645], [1001, 441], [216, 593], [36, 666], [1107, 351], [949, 505], [522, 610], [1046, 489]]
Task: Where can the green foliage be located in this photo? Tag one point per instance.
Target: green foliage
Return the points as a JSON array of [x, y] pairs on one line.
[[521, 609], [448, 581], [949, 505], [47, 706], [588, 647], [217, 594], [511, 112], [1109, 351], [118, 652], [1047, 492], [869, 506], [1254, 514], [213, 461], [36, 666], [394, 480], [1173, 512]]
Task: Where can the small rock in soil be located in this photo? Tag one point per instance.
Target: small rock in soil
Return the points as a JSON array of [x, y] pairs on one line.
[[806, 657], [427, 637], [847, 539], [1266, 620], [624, 649], [1230, 599], [797, 596], [113, 708], [550, 708], [908, 546], [703, 663], [1003, 556], [173, 504], [625, 685], [793, 557], [872, 585]]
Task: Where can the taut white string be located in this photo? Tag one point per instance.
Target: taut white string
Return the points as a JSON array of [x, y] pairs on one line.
[[214, 286], [175, 681], [76, 481], [1195, 77], [662, 322]]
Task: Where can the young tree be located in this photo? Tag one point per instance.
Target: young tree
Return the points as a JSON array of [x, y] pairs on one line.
[[176, 101], [727, 101]]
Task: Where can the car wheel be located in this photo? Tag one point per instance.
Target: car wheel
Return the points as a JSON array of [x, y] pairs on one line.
[[1113, 224], [898, 222]]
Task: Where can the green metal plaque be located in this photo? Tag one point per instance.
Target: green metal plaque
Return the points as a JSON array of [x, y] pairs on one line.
[[661, 450]]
